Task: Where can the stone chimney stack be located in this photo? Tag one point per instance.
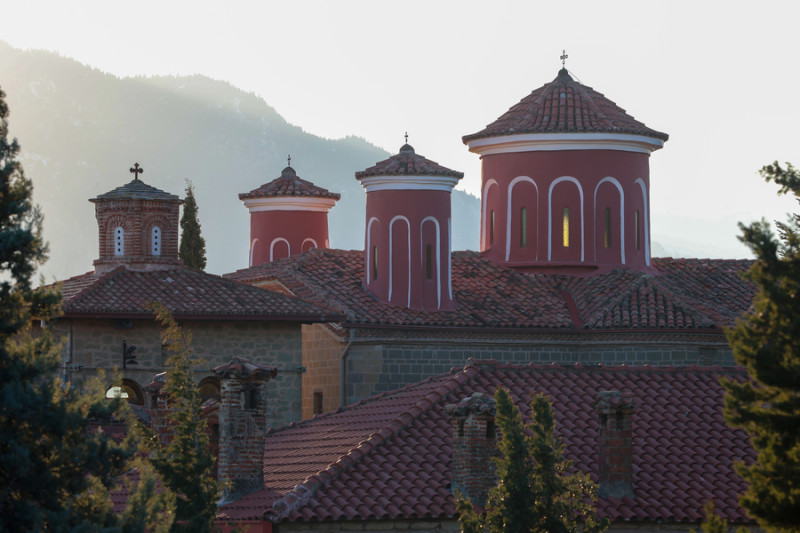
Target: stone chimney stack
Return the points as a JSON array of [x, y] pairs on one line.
[[474, 446], [615, 439], [243, 425]]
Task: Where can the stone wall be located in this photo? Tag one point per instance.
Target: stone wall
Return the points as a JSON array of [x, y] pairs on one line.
[[91, 345], [322, 351], [376, 366]]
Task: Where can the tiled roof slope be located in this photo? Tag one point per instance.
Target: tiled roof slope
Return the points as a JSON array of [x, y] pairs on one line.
[[408, 163], [388, 457], [185, 292], [289, 184], [136, 189], [565, 106], [687, 294]]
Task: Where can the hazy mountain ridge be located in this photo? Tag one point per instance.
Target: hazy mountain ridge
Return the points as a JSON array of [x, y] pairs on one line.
[[80, 130]]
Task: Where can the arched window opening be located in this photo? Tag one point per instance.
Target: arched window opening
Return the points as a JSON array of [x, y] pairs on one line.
[[565, 227], [119, 241], [155, 241], [375, 262], [428, 262], [209, 389], [607, 237], [491, 228], [523, 227], [636, 229], [128, 390]]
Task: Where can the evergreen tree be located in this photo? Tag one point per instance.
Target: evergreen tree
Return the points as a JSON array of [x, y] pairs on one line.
[[767, 343], [54, 472], [534, 492], [185, 463], [193, 245]]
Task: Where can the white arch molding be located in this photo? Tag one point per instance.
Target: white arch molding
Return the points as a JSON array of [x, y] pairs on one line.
[[391, 251], [252, 250], [621, 216], [438, 257], [643, 186], [508, 212], [550, 214], [272, 247], [368, 255], [312, 241], [484, 222]]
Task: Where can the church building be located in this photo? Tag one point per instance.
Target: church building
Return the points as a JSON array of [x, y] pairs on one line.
[[564, 273]]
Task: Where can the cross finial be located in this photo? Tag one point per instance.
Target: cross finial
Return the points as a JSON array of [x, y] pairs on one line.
[[563, 58], [406, 137], [289, 159], [136, 170]]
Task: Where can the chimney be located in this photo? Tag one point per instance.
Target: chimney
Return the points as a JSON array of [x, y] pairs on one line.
[[243, 425], [615, 414], [474, 446], [159, 408]]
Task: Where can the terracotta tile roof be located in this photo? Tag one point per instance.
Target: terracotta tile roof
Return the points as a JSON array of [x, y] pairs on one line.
[[137, 189], [185, 292], [408, 163], [289, 184], [687, 294], [354, 464], [565, 106], [243, 367]]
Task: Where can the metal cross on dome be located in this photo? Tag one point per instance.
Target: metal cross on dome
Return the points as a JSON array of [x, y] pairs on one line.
[[136, 170], [406, 137], [289, 160], [563, 58]]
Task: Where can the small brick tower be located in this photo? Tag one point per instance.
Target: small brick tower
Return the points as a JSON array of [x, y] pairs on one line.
[[474, 446], [243, 425], [566, 183], [615, 440], [138, 227], [408, 233], [288, 216]]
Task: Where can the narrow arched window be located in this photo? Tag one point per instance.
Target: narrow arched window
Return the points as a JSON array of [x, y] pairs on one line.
[[636, 229], [523, 227], [119, 241], [565, 227], [155, 241], [491, 228], [607, 238], [428, 262], [374, 262]]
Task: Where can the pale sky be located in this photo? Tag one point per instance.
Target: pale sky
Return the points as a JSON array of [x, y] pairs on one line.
[[720, 78]]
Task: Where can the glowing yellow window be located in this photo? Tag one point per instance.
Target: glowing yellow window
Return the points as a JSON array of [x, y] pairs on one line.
[[565, 226]]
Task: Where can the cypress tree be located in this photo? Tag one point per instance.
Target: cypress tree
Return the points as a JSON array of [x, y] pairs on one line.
[[54, 471], [193, 245], [767, 343], [535, 492], [185, 464]]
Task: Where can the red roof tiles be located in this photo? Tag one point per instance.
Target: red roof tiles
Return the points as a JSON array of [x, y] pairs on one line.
[[687, 294], [139, 190], [565, 106], [185, 292], [355, 464], [408, 163], [288, 184]]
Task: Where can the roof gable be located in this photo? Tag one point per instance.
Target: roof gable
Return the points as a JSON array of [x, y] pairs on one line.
[[685, 294]]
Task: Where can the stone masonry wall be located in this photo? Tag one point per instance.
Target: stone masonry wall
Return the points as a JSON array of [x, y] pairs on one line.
[[321, 358], [375, 367], [96, 344]]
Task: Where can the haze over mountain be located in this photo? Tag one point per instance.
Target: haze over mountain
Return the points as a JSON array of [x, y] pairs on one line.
[[81, 129]]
